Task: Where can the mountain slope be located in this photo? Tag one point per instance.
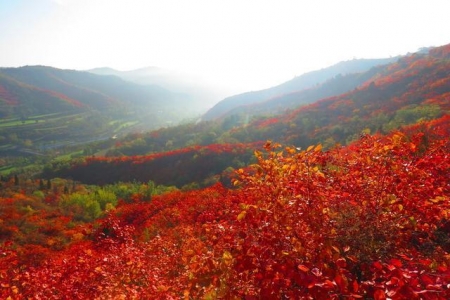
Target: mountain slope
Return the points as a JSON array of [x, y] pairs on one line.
[[416, 87], [304, 81], [279, 104], [42, 106], [92, 90], [20, 99]]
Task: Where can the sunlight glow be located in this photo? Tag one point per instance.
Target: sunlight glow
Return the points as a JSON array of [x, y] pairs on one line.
[[246, 45]]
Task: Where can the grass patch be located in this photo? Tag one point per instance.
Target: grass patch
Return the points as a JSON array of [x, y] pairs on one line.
[[5, 170], [68, 156], [39, 119], [45, 116], [126, 124], [17, 123], [6, 147], [114, 122], [50, 128]]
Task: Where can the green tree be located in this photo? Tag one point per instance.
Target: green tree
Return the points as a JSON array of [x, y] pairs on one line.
[[82, 206], [103, 197]]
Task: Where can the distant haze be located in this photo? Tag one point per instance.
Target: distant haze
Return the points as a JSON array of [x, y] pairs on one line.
[[240, 45]]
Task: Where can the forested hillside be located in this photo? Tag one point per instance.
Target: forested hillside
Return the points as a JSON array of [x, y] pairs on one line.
[[412, 89], [195, 166], [90, 90], [281, 103], [370, 220]]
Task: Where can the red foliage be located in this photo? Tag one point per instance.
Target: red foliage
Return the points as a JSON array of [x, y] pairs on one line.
[[441, 52], [64, 97], [177, 167], [366, 221], [8, 97], [266, 122]]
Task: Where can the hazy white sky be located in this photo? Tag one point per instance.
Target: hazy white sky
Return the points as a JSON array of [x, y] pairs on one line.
[[247, 44]]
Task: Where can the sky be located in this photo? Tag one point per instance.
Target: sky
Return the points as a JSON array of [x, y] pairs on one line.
[[244, 44]]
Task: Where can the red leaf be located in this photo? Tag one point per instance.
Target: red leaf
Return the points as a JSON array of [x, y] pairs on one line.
[[426, 279], [303, 268], [378, 265], [405, 257], [391, 267], [341, 262], [379, 295], [393, 281], [396, 262], [341, 282]]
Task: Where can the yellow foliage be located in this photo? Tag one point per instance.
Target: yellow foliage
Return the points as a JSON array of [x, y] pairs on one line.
[[241, 215]]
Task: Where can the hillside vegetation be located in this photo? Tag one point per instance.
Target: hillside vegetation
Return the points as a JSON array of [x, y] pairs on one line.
[[370, 220], [347, 197], [415, 88]]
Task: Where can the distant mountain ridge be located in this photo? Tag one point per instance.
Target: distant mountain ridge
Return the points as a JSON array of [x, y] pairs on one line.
[[200, 94], [279, 104], [307, 80]]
